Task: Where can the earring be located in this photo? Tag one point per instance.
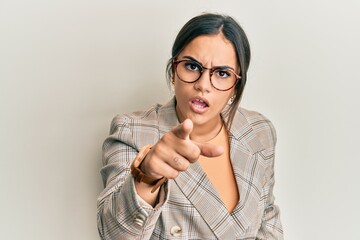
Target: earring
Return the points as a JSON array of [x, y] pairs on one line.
[[231, 100]]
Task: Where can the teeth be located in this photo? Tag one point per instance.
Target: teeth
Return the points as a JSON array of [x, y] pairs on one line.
[[199, 106], [199, 100]]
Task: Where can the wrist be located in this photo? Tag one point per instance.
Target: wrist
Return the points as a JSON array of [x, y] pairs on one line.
[[140, 176]]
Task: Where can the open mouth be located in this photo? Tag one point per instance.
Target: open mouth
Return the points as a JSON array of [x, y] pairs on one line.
[[199, 105]]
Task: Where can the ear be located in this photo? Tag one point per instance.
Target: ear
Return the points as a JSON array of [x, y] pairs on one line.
[[172, 85]]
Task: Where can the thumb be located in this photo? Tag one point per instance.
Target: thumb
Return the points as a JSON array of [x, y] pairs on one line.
[[184, 129], [210, 150]]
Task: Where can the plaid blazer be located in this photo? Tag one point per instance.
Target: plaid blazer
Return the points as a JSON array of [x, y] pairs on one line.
[[189, 206]]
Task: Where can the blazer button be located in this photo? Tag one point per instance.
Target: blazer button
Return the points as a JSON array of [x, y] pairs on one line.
[[140, 220], [175, 231]]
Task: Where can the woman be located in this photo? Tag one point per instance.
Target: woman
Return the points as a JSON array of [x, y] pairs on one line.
[[198, 167]]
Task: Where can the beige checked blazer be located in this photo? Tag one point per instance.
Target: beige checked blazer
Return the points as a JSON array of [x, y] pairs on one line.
[[189, 206]]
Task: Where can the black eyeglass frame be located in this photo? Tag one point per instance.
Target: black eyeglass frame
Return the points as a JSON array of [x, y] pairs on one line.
[[202, 69]]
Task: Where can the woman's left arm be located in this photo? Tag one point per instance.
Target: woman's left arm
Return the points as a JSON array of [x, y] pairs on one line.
[[271, 227]]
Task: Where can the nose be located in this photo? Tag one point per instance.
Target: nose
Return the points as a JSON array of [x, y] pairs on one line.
[[204, 82]]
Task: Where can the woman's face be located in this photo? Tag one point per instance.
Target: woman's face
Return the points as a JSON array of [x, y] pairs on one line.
[[200, 101]]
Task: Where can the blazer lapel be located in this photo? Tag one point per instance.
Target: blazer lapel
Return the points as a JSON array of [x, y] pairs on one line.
[[244, 146], [200, 192]]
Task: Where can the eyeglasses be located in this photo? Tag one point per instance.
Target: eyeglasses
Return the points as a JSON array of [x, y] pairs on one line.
[[221, 78]]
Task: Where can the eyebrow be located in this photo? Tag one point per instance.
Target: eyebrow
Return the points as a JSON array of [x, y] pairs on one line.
[[221, 67]]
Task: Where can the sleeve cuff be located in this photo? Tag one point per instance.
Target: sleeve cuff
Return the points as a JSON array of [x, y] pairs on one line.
[[163, 196]]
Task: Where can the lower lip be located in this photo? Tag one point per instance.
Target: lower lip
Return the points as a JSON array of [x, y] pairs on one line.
[[196, 108]]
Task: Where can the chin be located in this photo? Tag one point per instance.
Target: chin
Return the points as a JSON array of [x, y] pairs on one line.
[[198, 120]]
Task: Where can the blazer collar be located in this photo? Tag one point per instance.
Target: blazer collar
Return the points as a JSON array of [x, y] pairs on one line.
[[242, 131]]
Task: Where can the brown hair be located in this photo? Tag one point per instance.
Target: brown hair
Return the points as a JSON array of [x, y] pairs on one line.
[[210, 24]]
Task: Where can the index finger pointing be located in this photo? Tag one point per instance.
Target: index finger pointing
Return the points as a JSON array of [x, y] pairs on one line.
[[184, 129]]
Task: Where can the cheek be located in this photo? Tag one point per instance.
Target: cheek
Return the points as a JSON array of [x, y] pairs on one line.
[[180, 90], [222, 100]]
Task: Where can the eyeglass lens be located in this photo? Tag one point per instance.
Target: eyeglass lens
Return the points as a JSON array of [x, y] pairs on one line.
[[190, 71]]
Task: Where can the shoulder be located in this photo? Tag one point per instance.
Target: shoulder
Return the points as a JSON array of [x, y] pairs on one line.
[[262, 129], [144, 127], [135, 119], [256, 119]]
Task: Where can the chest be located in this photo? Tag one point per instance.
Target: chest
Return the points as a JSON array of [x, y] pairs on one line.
[[220, 173]]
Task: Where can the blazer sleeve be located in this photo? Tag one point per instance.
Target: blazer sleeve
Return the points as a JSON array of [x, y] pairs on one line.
[[271, 227], [121, 213]]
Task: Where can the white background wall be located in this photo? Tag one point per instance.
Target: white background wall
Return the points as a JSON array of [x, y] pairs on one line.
[[67, 67]]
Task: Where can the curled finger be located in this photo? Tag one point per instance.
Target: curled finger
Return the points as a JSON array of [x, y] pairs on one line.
[[179, 163]]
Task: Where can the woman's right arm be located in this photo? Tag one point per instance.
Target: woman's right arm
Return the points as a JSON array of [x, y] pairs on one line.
[[126, 207], [121, 213]]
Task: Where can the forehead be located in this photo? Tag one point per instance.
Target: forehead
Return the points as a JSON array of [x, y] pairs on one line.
[[211, 50]]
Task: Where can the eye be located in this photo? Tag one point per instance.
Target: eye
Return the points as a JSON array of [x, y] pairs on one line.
[[192, 66], [223, 73]]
